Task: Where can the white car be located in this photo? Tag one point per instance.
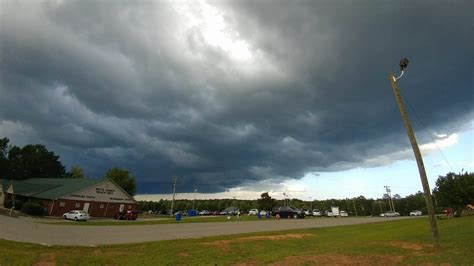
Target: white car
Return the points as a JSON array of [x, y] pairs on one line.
[[204, 212], [263, 213], [307, 212], [416, 213], [76, 215], [253, 212], [316, 213], [344, 214]]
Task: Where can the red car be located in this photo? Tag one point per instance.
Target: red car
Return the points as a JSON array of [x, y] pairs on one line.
[[128, 215]]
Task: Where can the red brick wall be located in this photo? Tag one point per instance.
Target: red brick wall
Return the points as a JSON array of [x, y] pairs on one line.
[[95, 208]]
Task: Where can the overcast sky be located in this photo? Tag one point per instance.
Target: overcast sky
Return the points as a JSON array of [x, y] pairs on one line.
[[228, 95]]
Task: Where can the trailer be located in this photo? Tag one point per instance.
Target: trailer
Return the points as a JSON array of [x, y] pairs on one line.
[[335, 211]]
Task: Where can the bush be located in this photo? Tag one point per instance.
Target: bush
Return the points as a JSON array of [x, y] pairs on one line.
[[17, 203], [32, 208]]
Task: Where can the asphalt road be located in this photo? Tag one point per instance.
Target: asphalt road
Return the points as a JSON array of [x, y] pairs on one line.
[[23, 230]]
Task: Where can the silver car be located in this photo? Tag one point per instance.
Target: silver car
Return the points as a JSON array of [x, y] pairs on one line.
[[390, 214], [416, 213]]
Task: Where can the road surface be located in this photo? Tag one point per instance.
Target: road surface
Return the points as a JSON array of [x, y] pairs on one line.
[[24, 230]]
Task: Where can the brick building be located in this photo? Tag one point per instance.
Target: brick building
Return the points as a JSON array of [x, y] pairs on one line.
[[98, 197]]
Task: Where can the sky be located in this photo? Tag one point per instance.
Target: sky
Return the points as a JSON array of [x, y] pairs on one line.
[[240, 97]]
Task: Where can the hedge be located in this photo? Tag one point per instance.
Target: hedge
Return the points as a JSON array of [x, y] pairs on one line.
[[32, 208]]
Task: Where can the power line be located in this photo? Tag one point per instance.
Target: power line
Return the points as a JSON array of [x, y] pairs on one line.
[[418, 119]]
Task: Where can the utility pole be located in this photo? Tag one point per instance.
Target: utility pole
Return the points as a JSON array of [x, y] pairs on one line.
[[174, 193], [390, 202], [355, 209], [311, 205], [416, 151]]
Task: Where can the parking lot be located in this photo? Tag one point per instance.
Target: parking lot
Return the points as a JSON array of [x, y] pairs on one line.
[[28, 230]]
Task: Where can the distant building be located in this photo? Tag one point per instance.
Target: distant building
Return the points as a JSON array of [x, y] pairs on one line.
[[98, 197]]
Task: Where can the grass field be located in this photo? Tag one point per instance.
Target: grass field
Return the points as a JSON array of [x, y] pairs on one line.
[[395, 242]]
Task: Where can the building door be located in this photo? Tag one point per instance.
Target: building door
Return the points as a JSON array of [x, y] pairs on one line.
[[86, 207], [122, 207]]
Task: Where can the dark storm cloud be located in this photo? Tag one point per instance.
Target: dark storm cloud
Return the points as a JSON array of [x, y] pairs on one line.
[[146, 87]]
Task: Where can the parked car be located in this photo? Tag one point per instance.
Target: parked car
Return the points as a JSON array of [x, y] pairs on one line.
[[316, 213], [328, 214], [215, 213], [343, 214], [76, 215], [307, 212], [128, 215], [253, 212], [416, 213], [287, 212], [263, 212], [390, 214], [230, 211], [204, 212]]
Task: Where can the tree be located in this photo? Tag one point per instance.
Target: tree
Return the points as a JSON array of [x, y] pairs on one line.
[[265, 202], [76, 172], [33, 161], [123, 179], [3, 157], [455, 190]]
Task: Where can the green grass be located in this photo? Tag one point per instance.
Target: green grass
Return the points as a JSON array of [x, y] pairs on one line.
[[165, 221], [393, 242]]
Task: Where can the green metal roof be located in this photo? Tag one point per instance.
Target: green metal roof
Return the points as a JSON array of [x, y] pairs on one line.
[[28, 189], [5, 183], [50, 188]]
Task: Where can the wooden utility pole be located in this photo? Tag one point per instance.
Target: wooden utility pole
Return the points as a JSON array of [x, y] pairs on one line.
[[419, 160], [355, 209], [390, 201], [174, 193]]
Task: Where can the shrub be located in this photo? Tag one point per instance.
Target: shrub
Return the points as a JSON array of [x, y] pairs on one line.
[[32, 208], [17, 203]]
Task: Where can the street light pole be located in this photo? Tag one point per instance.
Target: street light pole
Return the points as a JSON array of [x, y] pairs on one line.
[[174, 193], [195, 190], [416, 151]]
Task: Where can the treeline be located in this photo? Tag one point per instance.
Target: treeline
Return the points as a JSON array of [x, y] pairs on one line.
[[452, 190], [30, 161], [360, 205], [35, 161]]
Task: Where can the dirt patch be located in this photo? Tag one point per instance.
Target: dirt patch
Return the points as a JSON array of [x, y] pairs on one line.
[[48, 259], [184, 254], [340, 259], [224, 244], [409, 246]]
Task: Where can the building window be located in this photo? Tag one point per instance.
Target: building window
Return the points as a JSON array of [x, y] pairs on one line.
[[62, 204], [78, 204], [101, 206]]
